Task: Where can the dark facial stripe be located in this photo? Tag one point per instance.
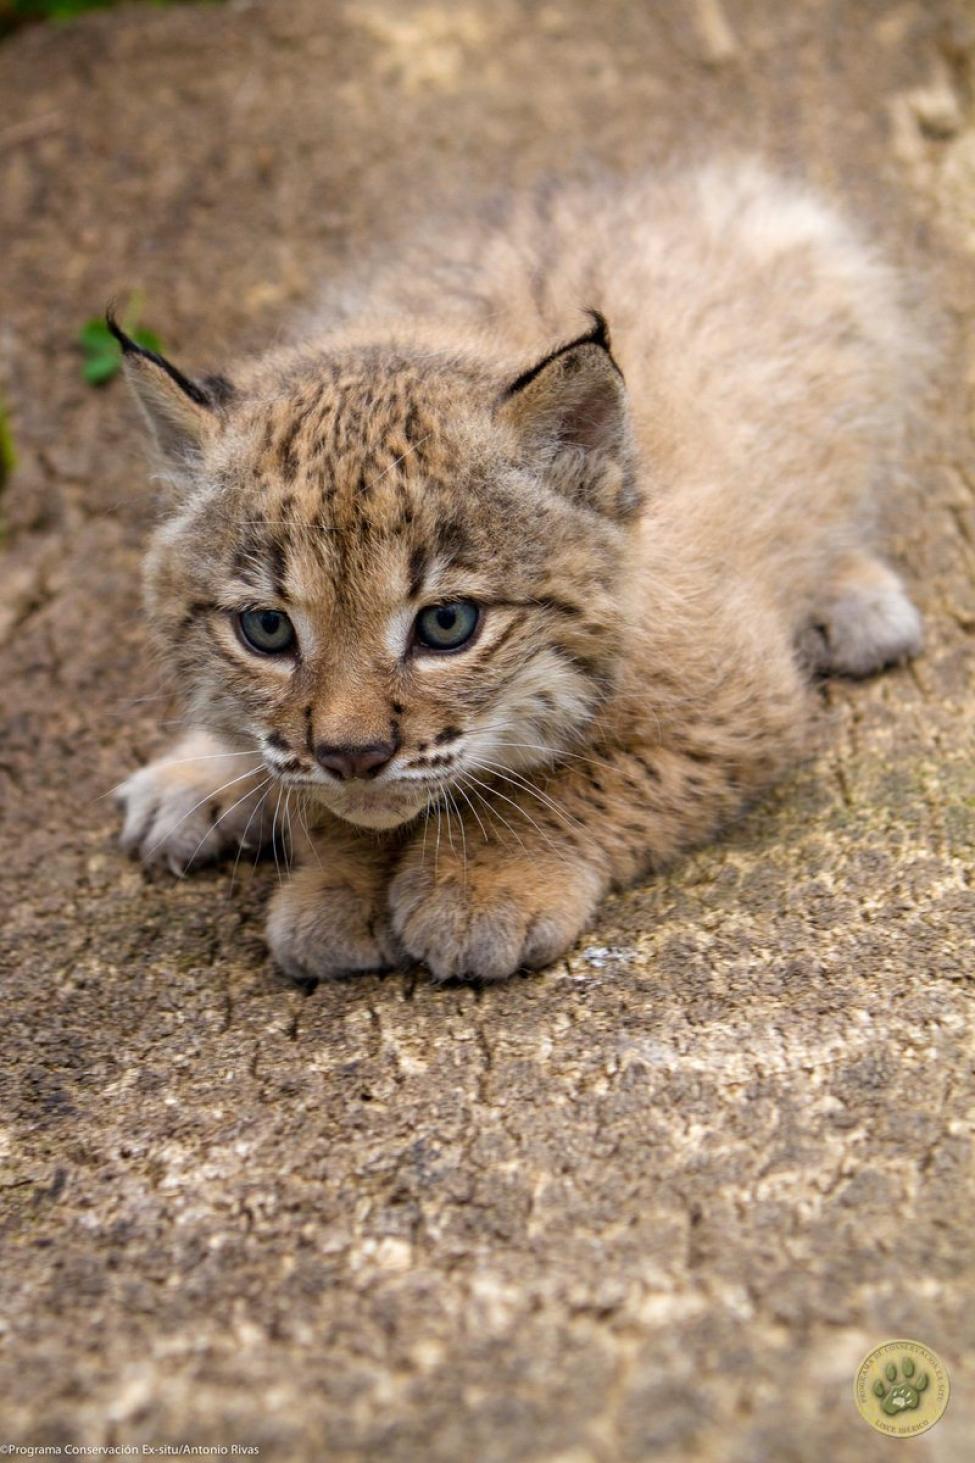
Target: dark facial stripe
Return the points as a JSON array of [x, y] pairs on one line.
[[277, 565], [223, 652], [503, 638], [548, 602], [596, 673], [418, 569], [196, 610], [452, 542]]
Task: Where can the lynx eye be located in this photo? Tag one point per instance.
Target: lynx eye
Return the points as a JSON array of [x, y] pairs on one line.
[[269, 632], [447, 626]]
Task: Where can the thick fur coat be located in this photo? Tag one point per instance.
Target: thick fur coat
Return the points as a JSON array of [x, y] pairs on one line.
[[634, 441]]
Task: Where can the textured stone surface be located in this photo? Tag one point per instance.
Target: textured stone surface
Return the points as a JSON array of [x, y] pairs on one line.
[[656, 1202]]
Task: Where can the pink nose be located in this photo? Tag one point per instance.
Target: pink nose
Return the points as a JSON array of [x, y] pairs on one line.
[[349, 762]]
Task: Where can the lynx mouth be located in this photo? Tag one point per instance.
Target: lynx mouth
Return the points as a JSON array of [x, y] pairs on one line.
[[388, 807]]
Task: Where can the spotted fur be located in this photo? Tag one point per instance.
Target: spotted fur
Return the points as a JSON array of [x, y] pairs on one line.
[[665, 512]]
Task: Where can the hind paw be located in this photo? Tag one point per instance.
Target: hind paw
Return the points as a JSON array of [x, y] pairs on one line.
[[866, 623]]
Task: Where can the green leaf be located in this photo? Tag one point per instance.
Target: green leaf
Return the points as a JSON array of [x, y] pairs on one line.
[[101, 368], [148, 339], [8, 456], [101, 351], [95, 335]]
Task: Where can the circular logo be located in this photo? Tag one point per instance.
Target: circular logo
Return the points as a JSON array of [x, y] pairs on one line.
[[901, 1388]]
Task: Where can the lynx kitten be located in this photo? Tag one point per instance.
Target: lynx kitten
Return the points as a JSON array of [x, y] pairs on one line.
[[509, 584]]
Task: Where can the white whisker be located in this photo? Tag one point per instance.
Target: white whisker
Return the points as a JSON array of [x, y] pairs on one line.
[[467, 800], [178, 762], [516, 780], [493, 813], [215, 793], [446, 809], [552, 754], [460, 824], [426, 825], [286, 822], [266, 784], [524, 813], [302, 808], [225, 814], [274, 826]]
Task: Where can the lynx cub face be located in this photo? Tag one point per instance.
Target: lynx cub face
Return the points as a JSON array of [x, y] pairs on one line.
[[396, 568], [511, 628]]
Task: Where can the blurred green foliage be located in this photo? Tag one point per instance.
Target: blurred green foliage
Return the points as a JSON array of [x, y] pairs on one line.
[[7, 455], [15, 13], [101, 351]]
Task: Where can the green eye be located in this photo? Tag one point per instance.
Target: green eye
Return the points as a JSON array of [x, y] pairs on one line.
[[269, 632], [447, 626]]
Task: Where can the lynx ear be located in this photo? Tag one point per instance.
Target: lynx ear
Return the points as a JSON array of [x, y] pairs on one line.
[[182, 414], [571, 406]]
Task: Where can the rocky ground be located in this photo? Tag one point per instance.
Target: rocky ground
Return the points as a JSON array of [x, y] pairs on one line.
[[656, 1202]]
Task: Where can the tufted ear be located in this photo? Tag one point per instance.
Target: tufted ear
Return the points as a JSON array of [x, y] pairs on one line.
[[183, 414], [571, 407]]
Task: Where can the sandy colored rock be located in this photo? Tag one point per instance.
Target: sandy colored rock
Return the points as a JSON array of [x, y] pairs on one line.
[[656, 1202]]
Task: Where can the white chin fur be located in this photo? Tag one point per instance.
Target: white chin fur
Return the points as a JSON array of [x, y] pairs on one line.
[[376, 817], [366, 812]]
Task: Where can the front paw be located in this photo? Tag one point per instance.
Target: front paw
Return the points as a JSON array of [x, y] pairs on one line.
[[322, 924], [492, 917], [185, 810]]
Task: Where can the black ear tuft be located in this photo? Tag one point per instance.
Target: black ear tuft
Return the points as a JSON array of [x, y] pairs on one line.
[[132, 348], [184, 415], [569, 411], [598, 336], [125, 341]]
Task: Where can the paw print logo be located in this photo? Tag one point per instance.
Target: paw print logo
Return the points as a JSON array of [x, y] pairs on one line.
[[900, 1390]]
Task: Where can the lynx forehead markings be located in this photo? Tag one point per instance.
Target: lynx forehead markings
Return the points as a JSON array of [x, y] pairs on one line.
[[656, 521], [348, 430]]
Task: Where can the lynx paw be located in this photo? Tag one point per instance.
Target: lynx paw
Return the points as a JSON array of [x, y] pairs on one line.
[[489, 920], [867, 622], [320, 926], [191, 806]]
